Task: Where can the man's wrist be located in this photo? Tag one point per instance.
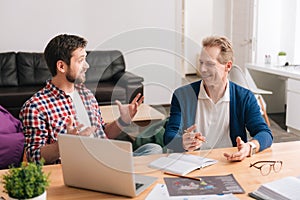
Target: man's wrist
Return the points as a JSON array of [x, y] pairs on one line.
[[253, 148], [122, 123]]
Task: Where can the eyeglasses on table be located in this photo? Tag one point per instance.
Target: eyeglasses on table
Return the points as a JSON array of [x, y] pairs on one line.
[[265, 167]]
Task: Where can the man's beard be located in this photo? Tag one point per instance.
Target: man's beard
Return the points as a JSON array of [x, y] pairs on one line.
[[73, 79]]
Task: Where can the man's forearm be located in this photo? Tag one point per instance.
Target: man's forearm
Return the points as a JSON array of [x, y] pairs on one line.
[[50, 153], [113, 129]]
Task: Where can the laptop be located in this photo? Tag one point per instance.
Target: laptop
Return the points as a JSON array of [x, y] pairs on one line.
[[101, 165]]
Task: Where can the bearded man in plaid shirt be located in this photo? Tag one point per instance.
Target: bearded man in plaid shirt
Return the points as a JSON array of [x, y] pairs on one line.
[[66, 106]]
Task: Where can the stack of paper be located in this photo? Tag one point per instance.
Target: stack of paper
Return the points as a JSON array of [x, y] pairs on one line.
[[286, 188]]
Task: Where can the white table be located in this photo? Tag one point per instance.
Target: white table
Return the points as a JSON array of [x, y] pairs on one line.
[[290, 76], [287, 72]]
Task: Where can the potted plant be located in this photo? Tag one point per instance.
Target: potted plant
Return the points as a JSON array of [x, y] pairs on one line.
[[281, 58], [26, 182]]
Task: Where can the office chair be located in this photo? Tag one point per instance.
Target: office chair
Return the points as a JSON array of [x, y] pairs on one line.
[[245, 80]]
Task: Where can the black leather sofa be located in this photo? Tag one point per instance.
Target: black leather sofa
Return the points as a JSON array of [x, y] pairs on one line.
[[24, 73]]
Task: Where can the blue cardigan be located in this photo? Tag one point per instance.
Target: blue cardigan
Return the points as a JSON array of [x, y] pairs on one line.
[[244, 114]]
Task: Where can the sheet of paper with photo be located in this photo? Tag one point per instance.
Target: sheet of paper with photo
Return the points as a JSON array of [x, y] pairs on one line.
[[160, 191], [207, 185]]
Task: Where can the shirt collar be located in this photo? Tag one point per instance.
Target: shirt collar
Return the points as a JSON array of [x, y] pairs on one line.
[[204, 95], [58, 92]]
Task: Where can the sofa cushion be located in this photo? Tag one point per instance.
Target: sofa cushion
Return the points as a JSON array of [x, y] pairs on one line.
[[32, 68], [11, 149], [8, 69], [104, 65]]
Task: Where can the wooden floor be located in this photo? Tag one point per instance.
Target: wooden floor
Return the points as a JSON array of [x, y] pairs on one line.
[[278, 128], [279, 118]]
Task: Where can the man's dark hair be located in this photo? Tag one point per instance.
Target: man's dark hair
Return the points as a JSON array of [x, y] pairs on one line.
[[61, 47]]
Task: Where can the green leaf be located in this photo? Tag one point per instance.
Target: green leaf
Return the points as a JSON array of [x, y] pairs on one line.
[[282, 53], [25, 182]]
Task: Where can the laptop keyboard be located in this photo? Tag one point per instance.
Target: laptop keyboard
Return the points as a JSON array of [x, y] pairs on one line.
[[138, 185]]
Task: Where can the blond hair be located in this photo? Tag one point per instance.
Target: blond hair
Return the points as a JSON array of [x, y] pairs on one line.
[[226, 53]]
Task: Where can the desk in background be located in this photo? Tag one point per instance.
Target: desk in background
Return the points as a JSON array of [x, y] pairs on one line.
[[284, 81], [145, 117], [283, 71], [249, 178], [145, 113]]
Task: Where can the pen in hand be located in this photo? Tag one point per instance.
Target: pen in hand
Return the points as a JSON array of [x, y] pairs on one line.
[[197, 137]]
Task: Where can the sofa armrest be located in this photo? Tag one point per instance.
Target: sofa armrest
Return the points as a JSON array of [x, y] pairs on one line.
[[125, 78], [131, 82]]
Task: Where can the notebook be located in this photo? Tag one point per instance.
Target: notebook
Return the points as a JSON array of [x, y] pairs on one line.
[[181, 164], [101, 165], [284, 188]]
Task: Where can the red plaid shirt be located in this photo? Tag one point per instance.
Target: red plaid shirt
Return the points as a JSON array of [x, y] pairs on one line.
[[45, 115]]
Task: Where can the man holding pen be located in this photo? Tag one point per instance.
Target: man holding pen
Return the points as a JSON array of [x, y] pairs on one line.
[[214, 112]]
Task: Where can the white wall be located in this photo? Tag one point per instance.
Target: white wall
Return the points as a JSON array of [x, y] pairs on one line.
[[276, 29], [203, 18], [297, 33], [268, 29], [148, 32], [107, 24]]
